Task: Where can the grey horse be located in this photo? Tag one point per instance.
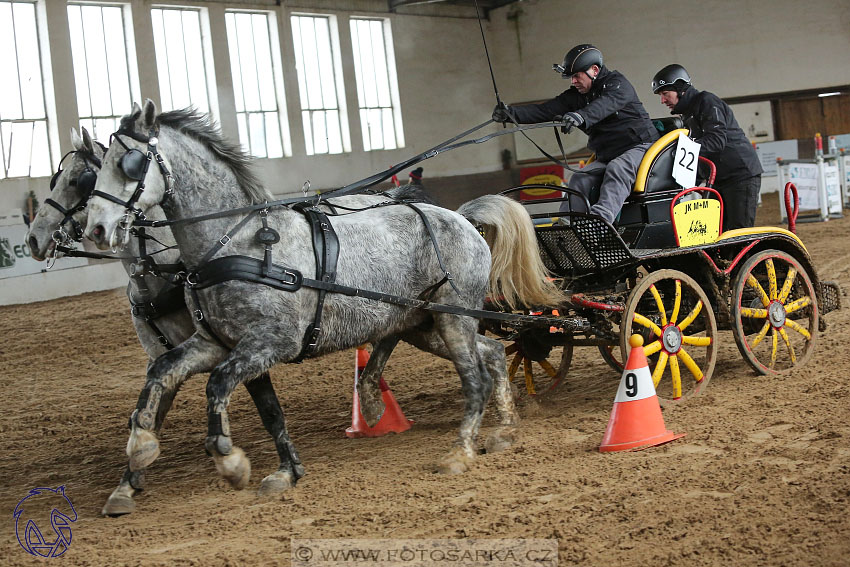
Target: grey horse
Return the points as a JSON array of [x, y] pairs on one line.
[[171, 322], [250, 327]]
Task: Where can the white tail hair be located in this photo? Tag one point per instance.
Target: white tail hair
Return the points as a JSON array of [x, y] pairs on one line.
[[517, 274]]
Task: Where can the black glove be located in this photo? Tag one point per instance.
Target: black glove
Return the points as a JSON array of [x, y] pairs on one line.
[[570, 119], [500, 113]]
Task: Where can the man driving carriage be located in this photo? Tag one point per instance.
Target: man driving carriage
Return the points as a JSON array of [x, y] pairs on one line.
[[604, 105], [712, 124]]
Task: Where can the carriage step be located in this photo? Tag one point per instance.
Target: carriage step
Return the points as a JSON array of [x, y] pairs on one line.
[[830, 293]]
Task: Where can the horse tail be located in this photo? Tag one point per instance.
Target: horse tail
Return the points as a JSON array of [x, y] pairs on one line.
[[517, 274]]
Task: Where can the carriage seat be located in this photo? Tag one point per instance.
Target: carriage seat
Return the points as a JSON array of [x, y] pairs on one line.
[[655, 172]]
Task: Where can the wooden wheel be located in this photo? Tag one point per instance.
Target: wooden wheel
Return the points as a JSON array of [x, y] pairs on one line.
[[672, 313], [774, 312], [535, 365]]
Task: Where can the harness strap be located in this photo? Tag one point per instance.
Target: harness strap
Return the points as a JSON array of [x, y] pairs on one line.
[[245, 268], [326, 250], [224, 240], [447, 277], [198, 313]]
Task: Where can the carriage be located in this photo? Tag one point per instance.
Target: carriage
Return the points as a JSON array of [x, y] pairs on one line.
[[665, 270]]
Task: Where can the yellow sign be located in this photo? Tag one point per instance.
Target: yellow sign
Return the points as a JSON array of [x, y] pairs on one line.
[[697, 222]]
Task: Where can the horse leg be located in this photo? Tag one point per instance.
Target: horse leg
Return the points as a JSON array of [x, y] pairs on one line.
[[455, 339], [253, 355], [268, 406], [193, 356], [121, 501], [165, 376], [368, 386], [493, 354]]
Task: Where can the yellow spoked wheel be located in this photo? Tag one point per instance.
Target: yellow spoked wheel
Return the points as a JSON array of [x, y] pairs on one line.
[[774, 312], [535, 365], [672, 313]]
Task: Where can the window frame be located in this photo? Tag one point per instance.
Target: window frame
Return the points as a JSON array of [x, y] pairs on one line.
[[132, 77], [277, 82], [392, 84], [338, 86], [44, 115]]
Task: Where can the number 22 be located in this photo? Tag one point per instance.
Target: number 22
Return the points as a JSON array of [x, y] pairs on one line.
[[686, 153]]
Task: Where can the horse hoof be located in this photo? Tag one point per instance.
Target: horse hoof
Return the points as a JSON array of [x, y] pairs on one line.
[[501, 439], [235, 468], [372, 412], [142, 449], [275, 483], [118, 505], [456, 462]]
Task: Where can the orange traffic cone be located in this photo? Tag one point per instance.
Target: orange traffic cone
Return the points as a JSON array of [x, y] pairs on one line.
[[636, 420], [393, 420]]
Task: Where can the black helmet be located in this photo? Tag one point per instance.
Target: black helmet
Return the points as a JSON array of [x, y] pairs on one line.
[[671, 77], [579, 58]]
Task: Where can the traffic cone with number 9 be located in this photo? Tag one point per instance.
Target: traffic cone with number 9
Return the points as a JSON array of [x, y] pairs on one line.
[[636, 420]]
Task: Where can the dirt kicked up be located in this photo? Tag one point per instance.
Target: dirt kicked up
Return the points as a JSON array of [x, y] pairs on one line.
[[762, 477]]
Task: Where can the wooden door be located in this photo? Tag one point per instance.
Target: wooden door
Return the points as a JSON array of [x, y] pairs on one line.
[[803, 117]]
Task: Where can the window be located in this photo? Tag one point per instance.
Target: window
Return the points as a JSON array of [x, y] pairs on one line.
[[257, 86], [180, 59], [23, 122], [101, 66], [377, 84], [320, 85]]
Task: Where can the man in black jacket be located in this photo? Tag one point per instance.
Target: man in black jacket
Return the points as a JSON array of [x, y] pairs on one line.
[[604, 105], [714, 127]]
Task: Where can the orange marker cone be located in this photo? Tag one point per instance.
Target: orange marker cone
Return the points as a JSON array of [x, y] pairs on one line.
[[636, 420], [393, 420]]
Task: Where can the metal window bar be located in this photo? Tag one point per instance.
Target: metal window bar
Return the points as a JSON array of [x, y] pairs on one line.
[[110, 73], [171, 45], [254, 127], [325, 115], [374, 123]]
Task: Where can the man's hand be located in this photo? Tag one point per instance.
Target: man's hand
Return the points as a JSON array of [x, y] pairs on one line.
[[500, 113], [571, 119]]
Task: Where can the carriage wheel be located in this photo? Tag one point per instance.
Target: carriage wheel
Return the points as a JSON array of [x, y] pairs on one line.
[[673, 314], [536, 369], [774, 312], [611, 355]]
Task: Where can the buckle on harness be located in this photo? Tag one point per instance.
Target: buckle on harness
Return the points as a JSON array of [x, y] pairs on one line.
[[314, 337], [224, 240], [199, 315]]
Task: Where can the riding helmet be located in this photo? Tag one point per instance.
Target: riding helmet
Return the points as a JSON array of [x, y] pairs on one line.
[[671, 77], [579, 58]]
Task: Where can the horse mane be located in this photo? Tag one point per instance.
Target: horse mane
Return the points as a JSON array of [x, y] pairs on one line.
[[200, 127]]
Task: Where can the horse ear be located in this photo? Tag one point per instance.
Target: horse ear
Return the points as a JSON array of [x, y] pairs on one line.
[[76, 141], [136, 112], [150, 113], [87, 140]]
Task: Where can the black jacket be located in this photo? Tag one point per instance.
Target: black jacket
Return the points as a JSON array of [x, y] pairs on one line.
[[713, 125], [614, 117]]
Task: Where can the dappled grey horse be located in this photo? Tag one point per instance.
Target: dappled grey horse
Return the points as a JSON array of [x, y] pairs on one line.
[[160, 315], [248, 327]]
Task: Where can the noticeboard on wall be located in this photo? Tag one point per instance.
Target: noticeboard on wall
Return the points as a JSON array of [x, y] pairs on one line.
[[769, 152]]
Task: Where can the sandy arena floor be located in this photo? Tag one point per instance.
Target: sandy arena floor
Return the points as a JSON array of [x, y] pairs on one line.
[[762, 478]]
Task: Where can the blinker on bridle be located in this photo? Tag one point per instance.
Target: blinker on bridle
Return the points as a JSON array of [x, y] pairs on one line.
[[84, 182], [134, 164]]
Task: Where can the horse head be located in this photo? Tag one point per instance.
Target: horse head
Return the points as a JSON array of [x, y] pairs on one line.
[[62, 218], [124, 187]]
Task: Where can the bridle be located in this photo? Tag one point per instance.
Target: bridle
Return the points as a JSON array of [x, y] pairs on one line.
[[85, 183], [134, 164]]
